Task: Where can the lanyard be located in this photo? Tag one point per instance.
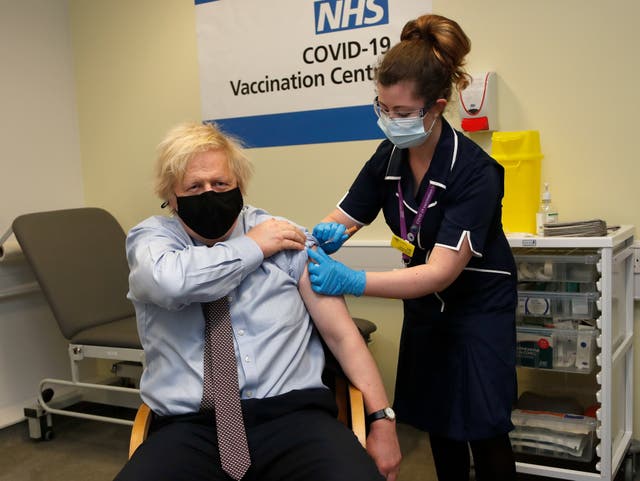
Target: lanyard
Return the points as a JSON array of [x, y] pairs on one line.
[[422, 210], [424, 204]]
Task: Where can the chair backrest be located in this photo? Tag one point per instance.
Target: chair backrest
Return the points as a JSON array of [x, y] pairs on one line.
[[78, 257]]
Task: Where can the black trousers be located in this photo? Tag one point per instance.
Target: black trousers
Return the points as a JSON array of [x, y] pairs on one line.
[[493, 459], [295, 436]]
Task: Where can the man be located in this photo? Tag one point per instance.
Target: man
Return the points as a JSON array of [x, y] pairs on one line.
[[216, 248]]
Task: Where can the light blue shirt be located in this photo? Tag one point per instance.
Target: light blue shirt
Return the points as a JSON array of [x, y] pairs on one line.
[[277, 347]]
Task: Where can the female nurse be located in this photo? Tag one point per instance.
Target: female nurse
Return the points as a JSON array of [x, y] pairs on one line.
[[440, 194]]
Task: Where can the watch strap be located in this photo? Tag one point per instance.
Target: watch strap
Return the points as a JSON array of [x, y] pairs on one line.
[[374, 416]]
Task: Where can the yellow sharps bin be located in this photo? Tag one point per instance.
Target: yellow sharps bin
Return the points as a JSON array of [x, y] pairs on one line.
[[519, 153]]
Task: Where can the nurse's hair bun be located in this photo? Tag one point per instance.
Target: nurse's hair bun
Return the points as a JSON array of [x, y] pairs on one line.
[[431, 54], [447, 42]]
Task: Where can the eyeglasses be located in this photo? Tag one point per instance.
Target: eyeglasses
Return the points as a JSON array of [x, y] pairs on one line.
[[386, 114]]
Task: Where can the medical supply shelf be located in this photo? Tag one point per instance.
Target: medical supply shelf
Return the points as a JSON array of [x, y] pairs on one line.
[[535, 431], [556, 305], [567, 350], [592, 290]]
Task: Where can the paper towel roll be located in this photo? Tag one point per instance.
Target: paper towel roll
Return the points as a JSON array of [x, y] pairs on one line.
[[10, 251]]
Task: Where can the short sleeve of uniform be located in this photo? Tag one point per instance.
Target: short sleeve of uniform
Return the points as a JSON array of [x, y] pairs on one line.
[[365, 197], [472, 202]]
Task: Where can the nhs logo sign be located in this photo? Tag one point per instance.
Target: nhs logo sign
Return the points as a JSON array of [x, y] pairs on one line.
[[336, 15]]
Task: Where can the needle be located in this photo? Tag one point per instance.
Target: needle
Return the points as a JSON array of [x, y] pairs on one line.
[[350, 231]]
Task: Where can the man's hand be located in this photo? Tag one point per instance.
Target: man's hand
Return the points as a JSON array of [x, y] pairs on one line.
[[384, 448], [273, 236]]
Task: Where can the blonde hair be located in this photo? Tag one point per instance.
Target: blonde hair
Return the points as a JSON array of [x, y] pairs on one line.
[[188, 139], [431, 54]]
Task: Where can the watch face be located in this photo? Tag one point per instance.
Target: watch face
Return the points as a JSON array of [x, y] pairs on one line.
[[389, 413]]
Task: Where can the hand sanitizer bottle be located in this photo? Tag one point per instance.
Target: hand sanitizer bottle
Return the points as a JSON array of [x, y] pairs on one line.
[[547, 213]]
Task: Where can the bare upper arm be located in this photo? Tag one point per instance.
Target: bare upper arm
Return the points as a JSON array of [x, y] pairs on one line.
[[449, 263], [329, 313]]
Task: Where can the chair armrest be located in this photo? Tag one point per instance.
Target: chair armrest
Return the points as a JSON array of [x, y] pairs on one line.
[[140, 428], [354, 411], [358, 426], [350, 404]]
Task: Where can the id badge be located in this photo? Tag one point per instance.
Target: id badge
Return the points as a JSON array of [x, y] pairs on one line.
[[402, 245]]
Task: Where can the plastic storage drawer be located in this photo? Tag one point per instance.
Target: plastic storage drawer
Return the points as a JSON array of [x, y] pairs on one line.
[[558, 305], [571, 350], [557, 265], [564, 436]]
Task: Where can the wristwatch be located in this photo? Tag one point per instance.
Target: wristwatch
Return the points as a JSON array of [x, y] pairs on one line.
[[386, 413]]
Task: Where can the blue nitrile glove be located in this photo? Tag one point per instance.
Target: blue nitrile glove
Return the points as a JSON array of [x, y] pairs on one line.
[[333, 278], [330, 236]]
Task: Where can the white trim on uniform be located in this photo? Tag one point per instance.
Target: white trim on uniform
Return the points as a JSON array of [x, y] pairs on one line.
[[455, 146], [490, 271], [342, 210], [465, 233], [441, 301]]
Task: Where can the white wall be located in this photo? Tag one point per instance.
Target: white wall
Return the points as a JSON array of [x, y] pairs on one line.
[[39, 170]]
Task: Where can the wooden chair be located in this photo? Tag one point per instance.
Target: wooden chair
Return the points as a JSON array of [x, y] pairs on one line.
[[351, 408], [348, 398]]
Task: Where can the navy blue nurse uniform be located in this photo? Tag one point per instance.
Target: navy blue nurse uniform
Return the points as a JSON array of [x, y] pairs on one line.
[[456, 369]]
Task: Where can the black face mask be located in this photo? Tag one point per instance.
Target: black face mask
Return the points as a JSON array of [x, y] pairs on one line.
[[210, 214]]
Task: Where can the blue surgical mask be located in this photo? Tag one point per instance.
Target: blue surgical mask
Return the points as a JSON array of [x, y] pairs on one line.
[[405, 133]]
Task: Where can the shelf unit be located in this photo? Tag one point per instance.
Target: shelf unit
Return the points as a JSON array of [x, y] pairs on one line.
[[614, 358]]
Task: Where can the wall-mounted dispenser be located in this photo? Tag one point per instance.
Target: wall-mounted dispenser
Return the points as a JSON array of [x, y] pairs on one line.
[[478, 103]]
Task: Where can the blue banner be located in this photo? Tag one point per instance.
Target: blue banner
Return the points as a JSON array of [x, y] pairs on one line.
[[298, 128]]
